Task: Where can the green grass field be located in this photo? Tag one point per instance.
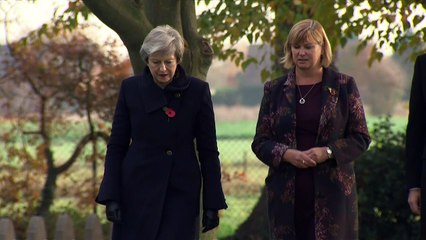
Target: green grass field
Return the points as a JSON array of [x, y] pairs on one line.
[[399, 122]]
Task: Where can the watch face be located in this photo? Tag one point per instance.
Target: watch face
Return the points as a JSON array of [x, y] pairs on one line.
[[329, 152]]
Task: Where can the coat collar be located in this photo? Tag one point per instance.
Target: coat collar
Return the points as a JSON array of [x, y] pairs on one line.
[[330, 85], [329, 78], [329, 95], [153, 97]]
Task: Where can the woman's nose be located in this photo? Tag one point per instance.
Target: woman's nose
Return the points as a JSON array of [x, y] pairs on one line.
[[162, 66]]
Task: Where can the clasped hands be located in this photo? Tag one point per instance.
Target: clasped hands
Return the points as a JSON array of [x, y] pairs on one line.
[[307, 158], [210, 217]]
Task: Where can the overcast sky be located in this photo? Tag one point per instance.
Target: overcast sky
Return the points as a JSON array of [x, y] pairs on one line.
[[24, 17]]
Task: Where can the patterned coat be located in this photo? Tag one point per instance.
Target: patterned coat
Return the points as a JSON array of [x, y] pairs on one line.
[[342, 127]]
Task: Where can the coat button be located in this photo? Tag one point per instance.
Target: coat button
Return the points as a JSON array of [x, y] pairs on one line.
[[319, 195], [169, 153]]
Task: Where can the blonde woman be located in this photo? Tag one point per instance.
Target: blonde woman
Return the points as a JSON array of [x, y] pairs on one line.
[[310, 130]]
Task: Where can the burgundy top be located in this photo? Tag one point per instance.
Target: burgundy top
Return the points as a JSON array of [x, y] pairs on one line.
[[307, 123], [308, 116]]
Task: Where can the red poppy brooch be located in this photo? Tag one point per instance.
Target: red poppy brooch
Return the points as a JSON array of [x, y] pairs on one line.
[[169, 112]]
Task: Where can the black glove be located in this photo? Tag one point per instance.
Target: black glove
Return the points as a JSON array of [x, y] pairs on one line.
[[113, 212], [210, 219]]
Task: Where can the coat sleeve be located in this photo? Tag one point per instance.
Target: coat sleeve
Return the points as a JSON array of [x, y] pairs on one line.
[[205, 134], [356, 137], [264, 146], [416, 127], [116, 151]]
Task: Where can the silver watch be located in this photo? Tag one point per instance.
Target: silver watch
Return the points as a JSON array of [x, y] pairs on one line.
[[329, 152]]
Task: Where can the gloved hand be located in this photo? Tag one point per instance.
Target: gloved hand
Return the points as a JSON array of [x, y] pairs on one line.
[[210, 219], [113, 212]]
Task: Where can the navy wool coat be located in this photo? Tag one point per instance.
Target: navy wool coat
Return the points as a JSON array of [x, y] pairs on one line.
[[416, 136], [156, 164]]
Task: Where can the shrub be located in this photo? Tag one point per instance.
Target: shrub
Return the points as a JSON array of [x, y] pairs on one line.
[[244, 95], [383, 209]]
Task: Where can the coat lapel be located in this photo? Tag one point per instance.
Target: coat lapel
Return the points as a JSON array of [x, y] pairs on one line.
[[176, 89], [329, 98], [152, 95], [290, 91], [288, 98], [329, 95]]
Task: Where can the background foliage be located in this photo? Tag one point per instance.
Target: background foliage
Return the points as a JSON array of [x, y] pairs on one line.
[[383, 207]]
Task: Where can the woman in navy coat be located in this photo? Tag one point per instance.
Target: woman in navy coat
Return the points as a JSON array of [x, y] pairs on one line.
[[416, 143], [162, 150]]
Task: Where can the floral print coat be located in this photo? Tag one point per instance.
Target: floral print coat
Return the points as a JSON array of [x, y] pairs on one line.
[[342, 127]]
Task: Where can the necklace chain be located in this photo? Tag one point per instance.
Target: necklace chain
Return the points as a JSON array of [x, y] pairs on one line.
[[302, 99]]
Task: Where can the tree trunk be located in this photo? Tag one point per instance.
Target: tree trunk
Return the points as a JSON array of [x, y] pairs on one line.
[[48, 192], [132, 21]]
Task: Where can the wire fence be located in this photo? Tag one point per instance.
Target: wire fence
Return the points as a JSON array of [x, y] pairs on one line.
[[242, 179]]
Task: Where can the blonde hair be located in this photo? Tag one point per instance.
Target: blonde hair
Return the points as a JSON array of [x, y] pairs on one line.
[[307, 30], [164, 39]]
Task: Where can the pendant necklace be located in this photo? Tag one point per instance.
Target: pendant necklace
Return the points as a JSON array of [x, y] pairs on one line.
[[302, 99]]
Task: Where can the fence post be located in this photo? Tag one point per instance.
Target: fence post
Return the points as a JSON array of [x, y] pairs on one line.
[[110, 226], [7, 231], [245, 162], [93, 228], [64, 228], [36, 229]]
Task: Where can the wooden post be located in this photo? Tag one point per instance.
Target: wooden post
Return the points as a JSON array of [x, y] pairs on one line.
[[64, 228], [7, 231], [93, 228], [110, 226], [36, 229]]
